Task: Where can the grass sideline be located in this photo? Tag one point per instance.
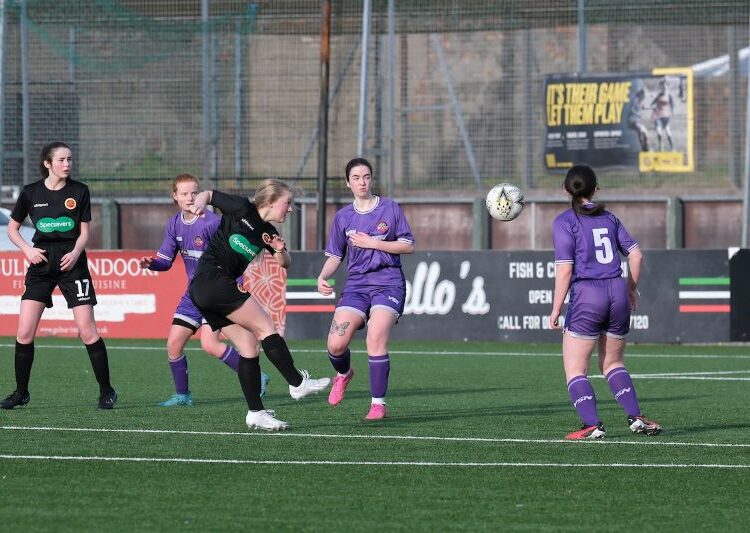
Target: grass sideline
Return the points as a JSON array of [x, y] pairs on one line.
[[473, 443]]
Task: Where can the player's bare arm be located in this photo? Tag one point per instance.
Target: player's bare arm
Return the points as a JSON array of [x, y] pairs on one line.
[[329, 268], [33, 255], [202, 199]]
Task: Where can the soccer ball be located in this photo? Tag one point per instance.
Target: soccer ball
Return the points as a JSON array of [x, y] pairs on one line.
[[504, 202]]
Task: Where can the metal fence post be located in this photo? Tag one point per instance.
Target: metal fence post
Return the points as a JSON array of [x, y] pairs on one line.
[[675, 231], [110, 225], [481, 234]]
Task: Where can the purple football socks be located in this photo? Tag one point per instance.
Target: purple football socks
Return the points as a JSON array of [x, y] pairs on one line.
[[179, 368], [380, 367], [584, 400], [623, 390]]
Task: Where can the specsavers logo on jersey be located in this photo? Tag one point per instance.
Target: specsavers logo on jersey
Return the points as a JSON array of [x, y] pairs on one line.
[[242, 246], [48, 224]]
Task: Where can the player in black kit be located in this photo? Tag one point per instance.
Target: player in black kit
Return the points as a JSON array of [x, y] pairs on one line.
[[244, 232], [60, 210]]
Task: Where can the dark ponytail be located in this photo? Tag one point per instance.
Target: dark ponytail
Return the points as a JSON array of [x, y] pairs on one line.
[[581, 182]]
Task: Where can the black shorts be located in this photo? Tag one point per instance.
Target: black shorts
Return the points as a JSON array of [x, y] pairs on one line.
[[215, 293], [75, 284]]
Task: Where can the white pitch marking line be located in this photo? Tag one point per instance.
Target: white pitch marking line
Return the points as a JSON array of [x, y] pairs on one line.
[[362, 463], [413, 352], [712, 373], [376, 437]]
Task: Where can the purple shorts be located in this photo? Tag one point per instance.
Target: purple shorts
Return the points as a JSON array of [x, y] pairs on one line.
[[598, 306], [362, 299], [187, 314]]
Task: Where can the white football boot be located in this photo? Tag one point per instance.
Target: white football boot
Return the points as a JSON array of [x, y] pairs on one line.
[[308, 386], [265, 420]]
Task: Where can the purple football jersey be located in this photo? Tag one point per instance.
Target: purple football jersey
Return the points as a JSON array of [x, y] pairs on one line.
[[190, 239], [365, 266], [591, 244]]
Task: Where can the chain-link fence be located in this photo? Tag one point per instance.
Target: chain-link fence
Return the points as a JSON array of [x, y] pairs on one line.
[[146, 89]]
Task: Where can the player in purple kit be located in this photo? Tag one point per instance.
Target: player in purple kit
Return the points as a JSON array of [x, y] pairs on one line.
[[373, 232], [189, 235], [588, 240]]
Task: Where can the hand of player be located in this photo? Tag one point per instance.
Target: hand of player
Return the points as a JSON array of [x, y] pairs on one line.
[[69, 260], [362, 240], [554, 320], [145, 262], [633, 295], [35, 256], [278, 243], [324, 287], [197, 209]]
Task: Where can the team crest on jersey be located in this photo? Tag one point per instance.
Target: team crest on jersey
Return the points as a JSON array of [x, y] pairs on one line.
[[382, 227], [198, 241], [70, 203]]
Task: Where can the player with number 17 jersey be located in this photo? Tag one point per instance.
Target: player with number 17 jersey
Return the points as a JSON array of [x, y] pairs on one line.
[[57, 216]]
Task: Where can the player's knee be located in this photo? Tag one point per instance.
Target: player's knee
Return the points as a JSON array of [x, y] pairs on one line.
[[250, 351], [337, 346], [377, 348], [213, 348], [25, 336], [88, 335], [174, 348]]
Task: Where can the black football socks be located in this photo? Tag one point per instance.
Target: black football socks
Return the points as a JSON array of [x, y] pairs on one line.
[[278, 353], [100, 364], [248, 372], [24, 361]]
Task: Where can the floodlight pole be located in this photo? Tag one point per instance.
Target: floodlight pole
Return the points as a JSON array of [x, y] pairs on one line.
[[746, 196], [25, 108], [325, 58], [362, 122], [2, 93], [582, 58], [391, 96]]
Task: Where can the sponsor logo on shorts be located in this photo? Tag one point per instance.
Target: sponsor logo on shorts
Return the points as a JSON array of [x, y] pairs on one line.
[[382, 227], [70, 203], [394, 300], [49, 225], [242, 246]]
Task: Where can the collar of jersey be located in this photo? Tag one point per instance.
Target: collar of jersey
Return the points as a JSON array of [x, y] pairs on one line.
[[182, 219], [377, 203]]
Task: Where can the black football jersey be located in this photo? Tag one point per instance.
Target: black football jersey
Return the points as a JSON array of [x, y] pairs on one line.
[[241, 236], [56, 215]]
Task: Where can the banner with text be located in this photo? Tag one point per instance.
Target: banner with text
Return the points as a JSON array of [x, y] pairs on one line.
[[490, 296], [132, 303], [638, 120], [507, 296]]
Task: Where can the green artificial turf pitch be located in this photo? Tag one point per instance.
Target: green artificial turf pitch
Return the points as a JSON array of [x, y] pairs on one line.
[[473, 442]]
